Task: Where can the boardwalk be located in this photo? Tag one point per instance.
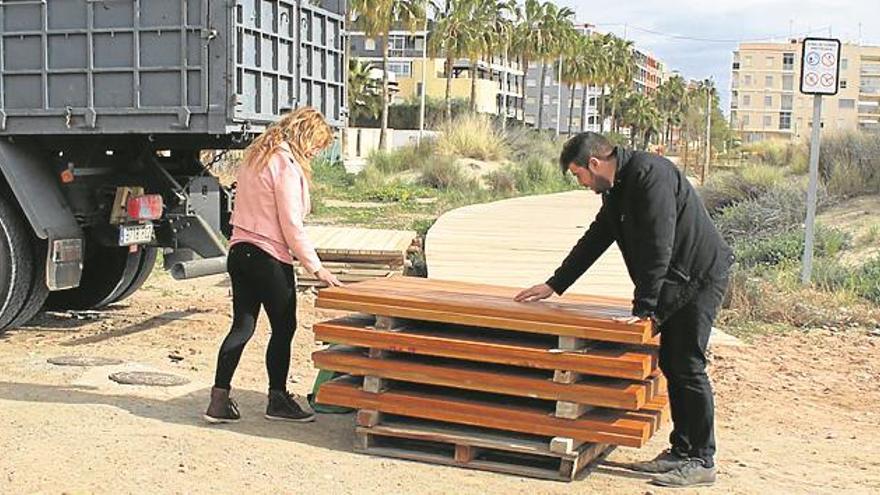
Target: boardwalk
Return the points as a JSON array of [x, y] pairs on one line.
[[519, 242]]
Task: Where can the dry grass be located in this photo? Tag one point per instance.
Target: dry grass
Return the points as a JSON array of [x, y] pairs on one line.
[[471, 136]]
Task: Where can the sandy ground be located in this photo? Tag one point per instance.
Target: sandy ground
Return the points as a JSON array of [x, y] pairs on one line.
[[797, 413]]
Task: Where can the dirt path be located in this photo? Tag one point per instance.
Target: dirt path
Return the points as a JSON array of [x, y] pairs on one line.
[[797, 413]]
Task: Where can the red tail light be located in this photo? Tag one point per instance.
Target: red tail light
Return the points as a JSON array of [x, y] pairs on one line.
[[146, 207]]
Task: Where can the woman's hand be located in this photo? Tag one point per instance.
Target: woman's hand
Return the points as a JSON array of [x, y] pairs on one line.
[[328, 278]]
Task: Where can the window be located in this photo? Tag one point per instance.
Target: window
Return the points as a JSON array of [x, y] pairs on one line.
[[768, 81], [370, 44], [843, 84], [785, 120], [846, 104], [745, 120], [768, 101], [787, 101], [419, 44], [747, 100], [769, 61], [844, 63], [748, 61], [736, 66], [768, 121], [402, 69], [419, 89], [747, 80], [593, 101], [788, 61], [531, 83], [787, 82], [546, 99], [530, 101]]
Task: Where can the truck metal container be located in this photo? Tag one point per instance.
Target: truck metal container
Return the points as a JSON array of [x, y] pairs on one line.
[[165, 66]]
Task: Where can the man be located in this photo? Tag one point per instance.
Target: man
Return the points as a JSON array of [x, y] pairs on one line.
[[678, 263]]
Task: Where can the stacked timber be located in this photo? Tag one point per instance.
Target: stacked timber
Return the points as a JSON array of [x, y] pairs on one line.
[[355, 254], [460, 374]]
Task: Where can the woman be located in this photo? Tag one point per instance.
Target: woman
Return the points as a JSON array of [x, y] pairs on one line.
[[271, 200]]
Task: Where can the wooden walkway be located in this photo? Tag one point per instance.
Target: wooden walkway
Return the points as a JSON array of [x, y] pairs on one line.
[[519, 242]]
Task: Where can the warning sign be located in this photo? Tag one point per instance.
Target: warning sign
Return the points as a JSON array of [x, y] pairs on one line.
[[820, 66]]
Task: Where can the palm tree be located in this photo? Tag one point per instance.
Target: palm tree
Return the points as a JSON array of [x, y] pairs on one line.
[[577, 70], [622, 65], [364, 93], [555, 28], [593, 64], [527, 38], [497, 35], [377, 18], [451, 37], [671, 101], [643, 117]]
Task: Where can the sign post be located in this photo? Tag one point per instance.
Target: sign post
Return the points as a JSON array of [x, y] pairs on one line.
[[820, 72]]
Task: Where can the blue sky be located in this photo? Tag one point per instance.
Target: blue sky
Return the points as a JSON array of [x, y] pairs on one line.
[[722, 22]]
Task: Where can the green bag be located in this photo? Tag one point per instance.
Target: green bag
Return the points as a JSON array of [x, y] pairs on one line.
[[323, 377]]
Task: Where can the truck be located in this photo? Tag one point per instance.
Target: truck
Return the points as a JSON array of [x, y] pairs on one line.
[[106, 110]]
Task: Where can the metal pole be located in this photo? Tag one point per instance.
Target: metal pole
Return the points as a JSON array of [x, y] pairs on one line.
[[811, 192], [708, 135], [504, 80], [424, 89], [558, 95]]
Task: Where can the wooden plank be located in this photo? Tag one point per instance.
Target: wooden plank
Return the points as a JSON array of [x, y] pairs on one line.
[[615, 363], [472, 304], [603, 392], [598, 426]]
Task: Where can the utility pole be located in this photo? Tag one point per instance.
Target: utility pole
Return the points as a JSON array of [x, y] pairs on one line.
[[708, 133], [505, 76], [558, 94], [424, 89]]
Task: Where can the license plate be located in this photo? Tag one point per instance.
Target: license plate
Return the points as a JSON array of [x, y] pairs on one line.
[[135, 234]]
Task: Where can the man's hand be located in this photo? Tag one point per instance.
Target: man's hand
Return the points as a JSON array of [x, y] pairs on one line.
[[534, 293], [629, 320], [327, 278]]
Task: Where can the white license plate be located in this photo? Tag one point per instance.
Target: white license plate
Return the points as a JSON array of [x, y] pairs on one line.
[[135, 234]]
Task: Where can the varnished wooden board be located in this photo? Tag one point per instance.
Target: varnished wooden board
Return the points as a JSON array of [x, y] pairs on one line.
[[488, 306], [600, 392], [477, 344], [346, 242], [599, 426]]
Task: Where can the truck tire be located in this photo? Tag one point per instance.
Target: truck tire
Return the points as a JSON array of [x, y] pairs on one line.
[[16, 263], [108, 272], [38, 290]]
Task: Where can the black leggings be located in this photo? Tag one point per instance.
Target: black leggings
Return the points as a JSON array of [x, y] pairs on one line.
[[258, 280]]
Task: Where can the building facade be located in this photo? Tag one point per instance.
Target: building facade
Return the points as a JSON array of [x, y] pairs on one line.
[[649, 74], [498, 84], [765, 98]]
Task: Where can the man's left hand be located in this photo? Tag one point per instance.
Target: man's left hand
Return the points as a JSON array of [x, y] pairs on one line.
[[630, 320]]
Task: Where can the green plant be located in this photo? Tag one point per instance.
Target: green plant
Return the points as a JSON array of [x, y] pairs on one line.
[[471, 136], [849, 162], [537, 176], [443, 173], [330, 173], [788, 246], [501, 182], [727, 188]]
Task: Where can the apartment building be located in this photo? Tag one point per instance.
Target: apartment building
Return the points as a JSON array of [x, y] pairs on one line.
[[498, 83], [649, 74], [766, 102]]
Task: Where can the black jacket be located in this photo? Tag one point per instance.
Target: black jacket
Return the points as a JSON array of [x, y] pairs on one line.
[[669, 243]]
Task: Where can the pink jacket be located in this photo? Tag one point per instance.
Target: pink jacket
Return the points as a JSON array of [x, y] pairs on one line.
[[270, 206]]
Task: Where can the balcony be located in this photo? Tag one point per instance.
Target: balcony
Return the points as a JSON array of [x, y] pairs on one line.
[[870, 91]]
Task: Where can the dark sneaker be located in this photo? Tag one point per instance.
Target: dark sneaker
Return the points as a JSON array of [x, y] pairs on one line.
[[222, 409], [283, 407], [665, 462], [692, 473]]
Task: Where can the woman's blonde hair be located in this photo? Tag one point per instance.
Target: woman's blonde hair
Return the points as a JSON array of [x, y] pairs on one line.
[[302, 129]]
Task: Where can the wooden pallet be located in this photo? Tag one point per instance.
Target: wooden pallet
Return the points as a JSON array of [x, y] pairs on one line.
[[489, 306], [475, 448]]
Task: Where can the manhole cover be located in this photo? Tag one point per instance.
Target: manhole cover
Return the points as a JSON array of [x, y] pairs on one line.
[[83, 361], [150, 378]]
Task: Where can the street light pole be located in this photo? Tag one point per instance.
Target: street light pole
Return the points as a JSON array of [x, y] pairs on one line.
[[708, 134], [424, 89]]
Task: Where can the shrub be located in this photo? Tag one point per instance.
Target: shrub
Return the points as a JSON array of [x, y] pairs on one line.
[[443, 173], [727, 188], [788, 246], [849, 163], [529, 144], [401, 159], [330, 173], [537, 176], [501, 182], [471, 136], [778, 210]]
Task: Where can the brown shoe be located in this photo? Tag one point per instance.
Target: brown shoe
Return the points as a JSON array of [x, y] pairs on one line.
[[222, 409]]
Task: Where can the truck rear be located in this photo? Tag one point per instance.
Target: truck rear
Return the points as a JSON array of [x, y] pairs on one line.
[[106, 109]]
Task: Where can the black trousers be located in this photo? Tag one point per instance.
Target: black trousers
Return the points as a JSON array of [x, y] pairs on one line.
[[259, 280], [683, 340]]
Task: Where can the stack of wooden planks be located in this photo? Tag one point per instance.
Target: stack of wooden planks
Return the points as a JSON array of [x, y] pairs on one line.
[[356, 254], [460, 374]]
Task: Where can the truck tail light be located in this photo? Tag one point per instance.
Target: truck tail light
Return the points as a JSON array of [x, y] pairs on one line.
[[146, 207]]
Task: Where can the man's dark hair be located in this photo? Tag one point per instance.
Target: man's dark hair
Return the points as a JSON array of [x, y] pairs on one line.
[[581, 147]]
